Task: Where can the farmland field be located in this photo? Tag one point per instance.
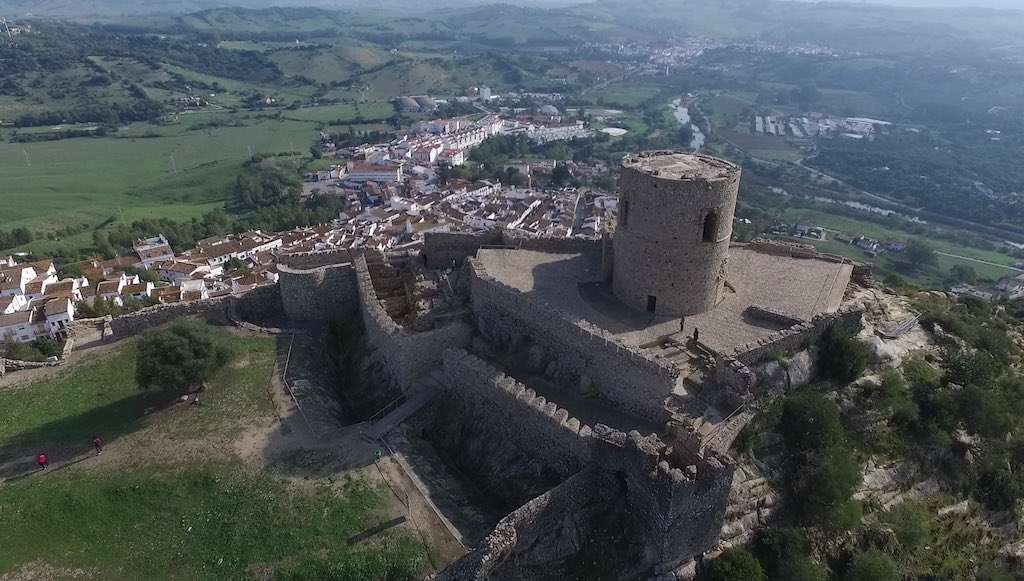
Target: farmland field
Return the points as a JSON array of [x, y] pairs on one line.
[[94, 179]]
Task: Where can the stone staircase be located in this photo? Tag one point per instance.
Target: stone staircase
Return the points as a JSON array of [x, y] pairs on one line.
[[423, 393]]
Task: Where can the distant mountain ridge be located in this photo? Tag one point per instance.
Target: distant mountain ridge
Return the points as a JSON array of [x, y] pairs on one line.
[[84, 8], [622, 8]]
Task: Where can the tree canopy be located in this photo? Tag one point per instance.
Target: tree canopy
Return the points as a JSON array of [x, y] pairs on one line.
[[735, 564], [180, 357]]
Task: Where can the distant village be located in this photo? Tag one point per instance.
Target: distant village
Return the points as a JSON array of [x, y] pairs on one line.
[[392, 198]]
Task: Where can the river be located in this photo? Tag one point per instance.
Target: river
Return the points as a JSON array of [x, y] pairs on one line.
[[682, 115]]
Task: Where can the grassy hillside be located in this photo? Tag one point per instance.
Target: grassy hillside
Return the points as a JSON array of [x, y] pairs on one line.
[[170, 498]]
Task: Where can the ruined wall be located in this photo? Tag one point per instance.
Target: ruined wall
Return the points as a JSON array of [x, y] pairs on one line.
[[733, 379], [155, 316], [406, 355], [319, 294], [799, 336], [577, 352], [514, 413]]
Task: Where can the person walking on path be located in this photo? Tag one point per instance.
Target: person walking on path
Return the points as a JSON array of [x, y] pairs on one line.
[[43, 461], [98, 442], [696, 335]]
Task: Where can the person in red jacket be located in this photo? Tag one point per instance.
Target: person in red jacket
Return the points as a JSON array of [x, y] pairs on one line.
[[98, 442], [43, 461]]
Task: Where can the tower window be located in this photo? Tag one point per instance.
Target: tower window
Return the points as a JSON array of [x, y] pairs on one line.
[[625, 212], [652, 303], [711, 227]]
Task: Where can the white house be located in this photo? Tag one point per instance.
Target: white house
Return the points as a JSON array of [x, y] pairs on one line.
[[14, 280], [153, 251], [69, 287], [110, 290], [37, 287], [20, 327], [60, 313], [368, 172], [12, 304], [194, 290]]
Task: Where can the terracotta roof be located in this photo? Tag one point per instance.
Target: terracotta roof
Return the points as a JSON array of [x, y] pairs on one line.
[[119, 262], [167, 294], [108, 287], [58, 307], [62, 287], [19, 318], [134, 289], [35, 287], [40, 266], [157, 252]]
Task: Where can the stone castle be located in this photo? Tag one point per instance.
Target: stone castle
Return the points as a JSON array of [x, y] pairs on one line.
[[595, 385]]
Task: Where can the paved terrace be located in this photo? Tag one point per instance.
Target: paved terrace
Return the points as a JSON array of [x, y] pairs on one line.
[[800, 288]]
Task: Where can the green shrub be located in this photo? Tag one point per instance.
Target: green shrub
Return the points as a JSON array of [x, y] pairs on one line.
[[785, 554], [842, 357], [872, 565], [910, 523], [736, 564], [821, 472]]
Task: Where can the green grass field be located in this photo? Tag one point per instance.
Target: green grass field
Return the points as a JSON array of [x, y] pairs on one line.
[[372, 111], [89, 180], [874, 230], [624, 95], [147, 509]]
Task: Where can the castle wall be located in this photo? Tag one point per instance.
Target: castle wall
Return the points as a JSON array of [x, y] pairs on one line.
[[733, 377], [676, 501], [315, 259], [440, 249], [799, 336], [517, 532], [580, 353], [155, 316], [514, 413], [552, 245], [640, 506], [318, 294], [406, 355]]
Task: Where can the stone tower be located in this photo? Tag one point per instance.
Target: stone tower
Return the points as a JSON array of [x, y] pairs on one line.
[[672, 240]]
